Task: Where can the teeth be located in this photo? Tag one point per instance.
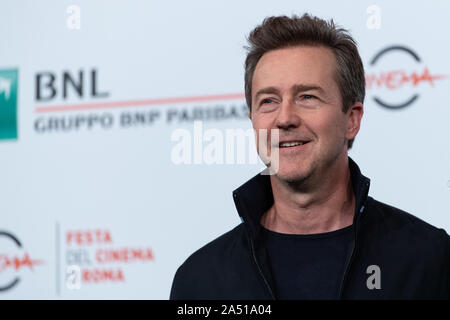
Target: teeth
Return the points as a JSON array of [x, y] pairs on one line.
[[290, 144]]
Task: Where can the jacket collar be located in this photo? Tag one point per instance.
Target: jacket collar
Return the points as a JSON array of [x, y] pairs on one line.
[[255, 197]]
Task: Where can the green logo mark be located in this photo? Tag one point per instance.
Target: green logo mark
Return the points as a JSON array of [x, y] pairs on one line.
[[8, 104]]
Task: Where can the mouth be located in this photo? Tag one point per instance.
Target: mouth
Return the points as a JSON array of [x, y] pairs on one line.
[[292, 144]]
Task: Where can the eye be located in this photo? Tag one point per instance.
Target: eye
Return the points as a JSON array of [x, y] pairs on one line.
[[268, 105], [266, 100], [308, 96]]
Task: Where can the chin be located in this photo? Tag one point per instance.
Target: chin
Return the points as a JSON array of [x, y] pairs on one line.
[[292, 174]]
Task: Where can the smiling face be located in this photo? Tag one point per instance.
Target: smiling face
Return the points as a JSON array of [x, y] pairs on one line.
[[294, 90]]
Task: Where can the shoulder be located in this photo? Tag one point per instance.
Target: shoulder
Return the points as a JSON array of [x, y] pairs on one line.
[[407, 240], [209, 264], [388, 220], [218, 249]]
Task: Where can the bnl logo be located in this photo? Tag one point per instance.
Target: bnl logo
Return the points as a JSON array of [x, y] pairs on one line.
[[8, 104]]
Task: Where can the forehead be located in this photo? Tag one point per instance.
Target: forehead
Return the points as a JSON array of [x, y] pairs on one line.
[[312, 65]]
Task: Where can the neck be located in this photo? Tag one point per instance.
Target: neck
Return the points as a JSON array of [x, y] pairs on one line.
[[324, 207]]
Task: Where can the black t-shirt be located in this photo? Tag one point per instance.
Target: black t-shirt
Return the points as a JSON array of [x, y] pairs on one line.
[[308, 266]]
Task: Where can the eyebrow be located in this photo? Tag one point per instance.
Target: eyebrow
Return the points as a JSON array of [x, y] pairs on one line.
[[305, 87], [294, 89]]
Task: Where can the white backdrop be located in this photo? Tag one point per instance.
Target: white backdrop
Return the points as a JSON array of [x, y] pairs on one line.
[[109, 198]]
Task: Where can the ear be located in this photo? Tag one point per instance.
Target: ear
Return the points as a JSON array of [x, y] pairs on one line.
[[354, 116]]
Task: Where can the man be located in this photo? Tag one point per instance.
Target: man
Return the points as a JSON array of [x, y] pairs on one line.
[[310, 230]]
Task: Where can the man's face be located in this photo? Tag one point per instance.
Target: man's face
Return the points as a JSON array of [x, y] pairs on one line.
[[294, 90]]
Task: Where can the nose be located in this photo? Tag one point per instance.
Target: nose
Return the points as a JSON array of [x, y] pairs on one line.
[[287, 117]]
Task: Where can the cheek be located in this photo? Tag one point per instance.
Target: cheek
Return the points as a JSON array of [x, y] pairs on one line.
[[261, 133], [262, 121], [261, 124], [329, 128]]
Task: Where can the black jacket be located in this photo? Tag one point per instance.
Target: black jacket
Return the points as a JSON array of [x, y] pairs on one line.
[[413, 256]]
